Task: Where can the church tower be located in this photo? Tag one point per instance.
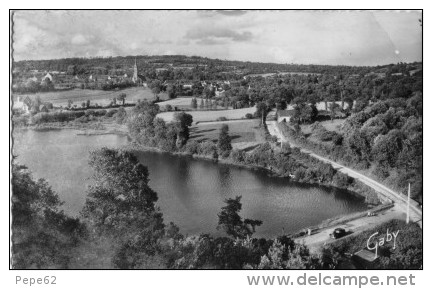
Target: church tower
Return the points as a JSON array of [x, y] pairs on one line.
[[135, 74]]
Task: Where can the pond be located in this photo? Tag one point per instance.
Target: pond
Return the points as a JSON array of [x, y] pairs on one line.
[[191, 191]]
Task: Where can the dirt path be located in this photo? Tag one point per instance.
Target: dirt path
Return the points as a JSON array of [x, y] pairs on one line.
[[416, 214]]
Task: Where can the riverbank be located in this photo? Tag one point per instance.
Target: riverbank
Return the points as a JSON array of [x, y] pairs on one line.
[[355, 190], [385, 193], [96, 127]]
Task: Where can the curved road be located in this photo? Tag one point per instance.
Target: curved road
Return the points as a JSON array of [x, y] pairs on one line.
[[400, 201]]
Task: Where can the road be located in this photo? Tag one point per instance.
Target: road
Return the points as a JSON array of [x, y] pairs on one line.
[[400, 201], [316, 241]]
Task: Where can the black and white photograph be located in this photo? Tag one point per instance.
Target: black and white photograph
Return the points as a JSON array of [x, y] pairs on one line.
[[216, 140]]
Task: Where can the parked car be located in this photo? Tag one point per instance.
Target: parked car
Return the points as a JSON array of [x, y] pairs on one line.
[[338, 233]]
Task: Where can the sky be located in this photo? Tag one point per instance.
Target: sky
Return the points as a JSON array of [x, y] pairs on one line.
[[301, 37]]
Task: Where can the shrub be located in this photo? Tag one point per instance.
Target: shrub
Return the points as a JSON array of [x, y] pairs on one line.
[[207, 148], [191, 147], [342, 180], [111, 112], [238, 156], [221, 118], [249, 116], [89, 112]]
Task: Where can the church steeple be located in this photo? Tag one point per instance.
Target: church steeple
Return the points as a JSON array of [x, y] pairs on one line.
[[135, 74]]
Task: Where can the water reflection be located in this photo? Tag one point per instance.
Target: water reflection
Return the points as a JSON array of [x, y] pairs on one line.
[[191, 192]]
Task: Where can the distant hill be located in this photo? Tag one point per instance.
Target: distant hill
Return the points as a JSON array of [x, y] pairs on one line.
[[125, 63]]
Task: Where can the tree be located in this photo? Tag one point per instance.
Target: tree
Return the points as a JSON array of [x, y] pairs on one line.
[[155, 87], [261, 109], [168, 107], [47, 85], [72, 70], [122, 97], [120, 205], [118, 176], [194, 103], [231, 222], [42, 235], [171, 91], [224, 143], [201, 106], [70, 102], [121, 115], [88, 103], [183, 122]]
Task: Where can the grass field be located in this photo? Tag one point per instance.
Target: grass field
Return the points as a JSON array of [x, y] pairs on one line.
[[240, 131], [100, 97], [182, 103], [328, 124], [199, 116]]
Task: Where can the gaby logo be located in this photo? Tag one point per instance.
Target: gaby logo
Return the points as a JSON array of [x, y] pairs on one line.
[[374, 243]]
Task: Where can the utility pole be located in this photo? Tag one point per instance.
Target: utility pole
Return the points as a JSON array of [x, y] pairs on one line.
[[408, 203]]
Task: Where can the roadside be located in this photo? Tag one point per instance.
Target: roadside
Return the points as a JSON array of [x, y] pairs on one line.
[[317, 240], [400, 201]]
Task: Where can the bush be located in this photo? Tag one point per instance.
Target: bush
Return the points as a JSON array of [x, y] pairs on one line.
[[191, 147], [168, 107], [342, 180], [249, 116], [89, 112], [238, 156], [221, 118], [207, 148], [337, 139], [111, 112], [57, 116]]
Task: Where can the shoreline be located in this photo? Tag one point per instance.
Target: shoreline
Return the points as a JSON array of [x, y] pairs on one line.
[[138, 148]]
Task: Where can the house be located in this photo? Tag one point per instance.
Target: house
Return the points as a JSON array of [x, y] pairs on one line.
[[285, 115], [219, 93], [47, 76], [23, 105]]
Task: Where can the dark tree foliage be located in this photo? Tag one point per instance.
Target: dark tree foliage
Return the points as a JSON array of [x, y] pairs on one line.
[[42, 235], [224, 141], [121, 205], [231, 222]]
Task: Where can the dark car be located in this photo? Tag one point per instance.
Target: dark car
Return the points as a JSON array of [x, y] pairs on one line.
[[338, 233]]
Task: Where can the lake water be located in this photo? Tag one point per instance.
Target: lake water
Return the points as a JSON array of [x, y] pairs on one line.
[[191, 192]]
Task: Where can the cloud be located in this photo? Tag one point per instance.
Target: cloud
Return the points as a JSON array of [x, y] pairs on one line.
[[79, 39], [217, 35], [320, 37], [231, 12]]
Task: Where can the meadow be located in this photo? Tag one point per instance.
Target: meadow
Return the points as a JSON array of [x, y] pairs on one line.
[[210, 115], [101, 97], [240, 131]]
